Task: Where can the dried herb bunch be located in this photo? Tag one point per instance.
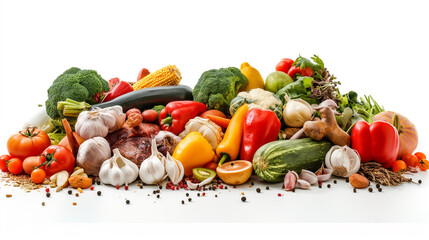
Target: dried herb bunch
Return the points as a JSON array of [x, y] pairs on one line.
[[378, 174], [325, 88]]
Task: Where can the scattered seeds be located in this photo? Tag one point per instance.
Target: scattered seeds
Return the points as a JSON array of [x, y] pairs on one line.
[[189, 199], [79, 189], [347, 180], [204, 194], [370, 189], [99, 193], [183, 202], [377, 185], [215, 195], [379, 189], [354, 190], [77, 194], [335, 181], [158, 196], [198, 194], [267, 187], [252, 183], [329, 185], [258, 190], [126, 187], [8, 195], [187, 194], [420, 181], [141, 186], [70, 192], [160, 187], [47, 194], [74, 204], [43, 203], [320, 185], [243, 199], [279, 194], [127, 202], [46, 189], [293, 190]]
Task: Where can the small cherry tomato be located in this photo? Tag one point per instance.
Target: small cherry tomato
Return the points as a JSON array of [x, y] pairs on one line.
[[15, 166], [399, 166], [132, 110], [4, 159], [423, 164], [410, 160], [150, 115], [211, 165], [284, 65], [38, 175], [420, 155]]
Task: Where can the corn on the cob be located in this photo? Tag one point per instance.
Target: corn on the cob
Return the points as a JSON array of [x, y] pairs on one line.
[[169, 75]]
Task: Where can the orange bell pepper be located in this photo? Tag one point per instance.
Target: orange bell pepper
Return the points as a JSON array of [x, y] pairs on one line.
[[193, 151]]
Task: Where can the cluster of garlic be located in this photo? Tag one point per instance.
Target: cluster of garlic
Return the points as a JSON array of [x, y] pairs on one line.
[[156, 168], [118, 170], [306, 178]]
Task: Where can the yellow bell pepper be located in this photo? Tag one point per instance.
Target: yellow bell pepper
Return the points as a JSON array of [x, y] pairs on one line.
[[193, 151], [253, 76], [231, 143]]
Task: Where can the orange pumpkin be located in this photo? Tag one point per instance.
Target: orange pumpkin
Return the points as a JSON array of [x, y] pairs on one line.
[[408, 138]]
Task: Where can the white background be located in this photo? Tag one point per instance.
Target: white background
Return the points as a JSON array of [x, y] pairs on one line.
[[373, 47]]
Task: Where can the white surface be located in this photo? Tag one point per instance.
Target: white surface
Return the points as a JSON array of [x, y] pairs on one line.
[[378, 48]]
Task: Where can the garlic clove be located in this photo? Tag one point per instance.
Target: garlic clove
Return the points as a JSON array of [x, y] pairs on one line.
[[308, 176], [194, 186], [325, 176], [290, 180], [152, 170], [303, 184], [174, 171]]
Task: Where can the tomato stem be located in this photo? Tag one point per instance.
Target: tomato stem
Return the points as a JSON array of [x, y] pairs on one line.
[[49, 159], [29, 132]]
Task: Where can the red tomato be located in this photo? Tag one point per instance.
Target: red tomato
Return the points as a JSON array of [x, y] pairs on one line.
[[399, 166], [423, 164], [28, 142], [4, 159], [56, 158], [15, 166], [410, 160], [284, 65], [150, 115]]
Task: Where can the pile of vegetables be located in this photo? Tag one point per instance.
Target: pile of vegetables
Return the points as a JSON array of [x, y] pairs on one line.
[[296, 128]]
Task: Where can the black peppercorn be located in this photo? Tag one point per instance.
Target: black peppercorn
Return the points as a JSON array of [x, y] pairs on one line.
[[141, 186], [226, 187], [354, 190], [252, 183], [189, 199], [198, 194], [267, 187], [158, 196], [77, 194], [70, 192], [258, 190], [98, 182], [329, 185], [320, 185], [370, 189], [128, 201], [420, 181], [183, 202], [215, 195], [335, 181], [379, 189], [232, 164], [377, 185], [154, 191], [293, 189], [99, 193], [243, 199], [187, 194], [160, 187], [347, 180], [48, 194]]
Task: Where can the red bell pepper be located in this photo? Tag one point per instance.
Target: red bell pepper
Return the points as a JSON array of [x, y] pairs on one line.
[[261, 126], [143, 73], [305, 72], [175, 115], [378, 141], [117, 89]]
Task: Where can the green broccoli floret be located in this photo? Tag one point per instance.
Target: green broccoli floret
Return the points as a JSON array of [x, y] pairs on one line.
[[76, 84], [216, 88], [158, 108]]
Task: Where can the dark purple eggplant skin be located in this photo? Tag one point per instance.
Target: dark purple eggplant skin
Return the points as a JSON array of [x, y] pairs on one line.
[[149, 97]]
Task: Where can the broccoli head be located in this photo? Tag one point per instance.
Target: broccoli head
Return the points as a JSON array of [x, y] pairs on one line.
[[217, 87], [74, 83]]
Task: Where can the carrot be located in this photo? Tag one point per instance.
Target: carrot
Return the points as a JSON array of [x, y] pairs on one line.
[[222, 122], [74, 145]]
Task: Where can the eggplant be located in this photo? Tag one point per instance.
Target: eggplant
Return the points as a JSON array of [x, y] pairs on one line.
[[149, 97]]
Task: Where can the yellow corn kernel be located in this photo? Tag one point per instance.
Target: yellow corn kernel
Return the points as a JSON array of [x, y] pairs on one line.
[[169, 75]]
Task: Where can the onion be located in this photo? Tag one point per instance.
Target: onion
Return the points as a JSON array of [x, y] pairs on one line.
[[408, 138]]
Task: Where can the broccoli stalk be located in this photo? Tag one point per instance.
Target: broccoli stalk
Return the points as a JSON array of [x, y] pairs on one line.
[[72, 108]]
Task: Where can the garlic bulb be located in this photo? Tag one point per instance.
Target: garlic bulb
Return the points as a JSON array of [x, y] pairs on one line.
[[344, 161], [210, 130], [92, 153], [95, 123], [152, 170], [119, 115], [118, 170], [296, 112], [174, 169]]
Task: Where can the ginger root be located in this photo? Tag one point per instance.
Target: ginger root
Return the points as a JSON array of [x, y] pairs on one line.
[[326, 127]]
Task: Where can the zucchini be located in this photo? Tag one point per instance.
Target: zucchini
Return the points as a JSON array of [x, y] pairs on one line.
[[273, 160], [147, 98]]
